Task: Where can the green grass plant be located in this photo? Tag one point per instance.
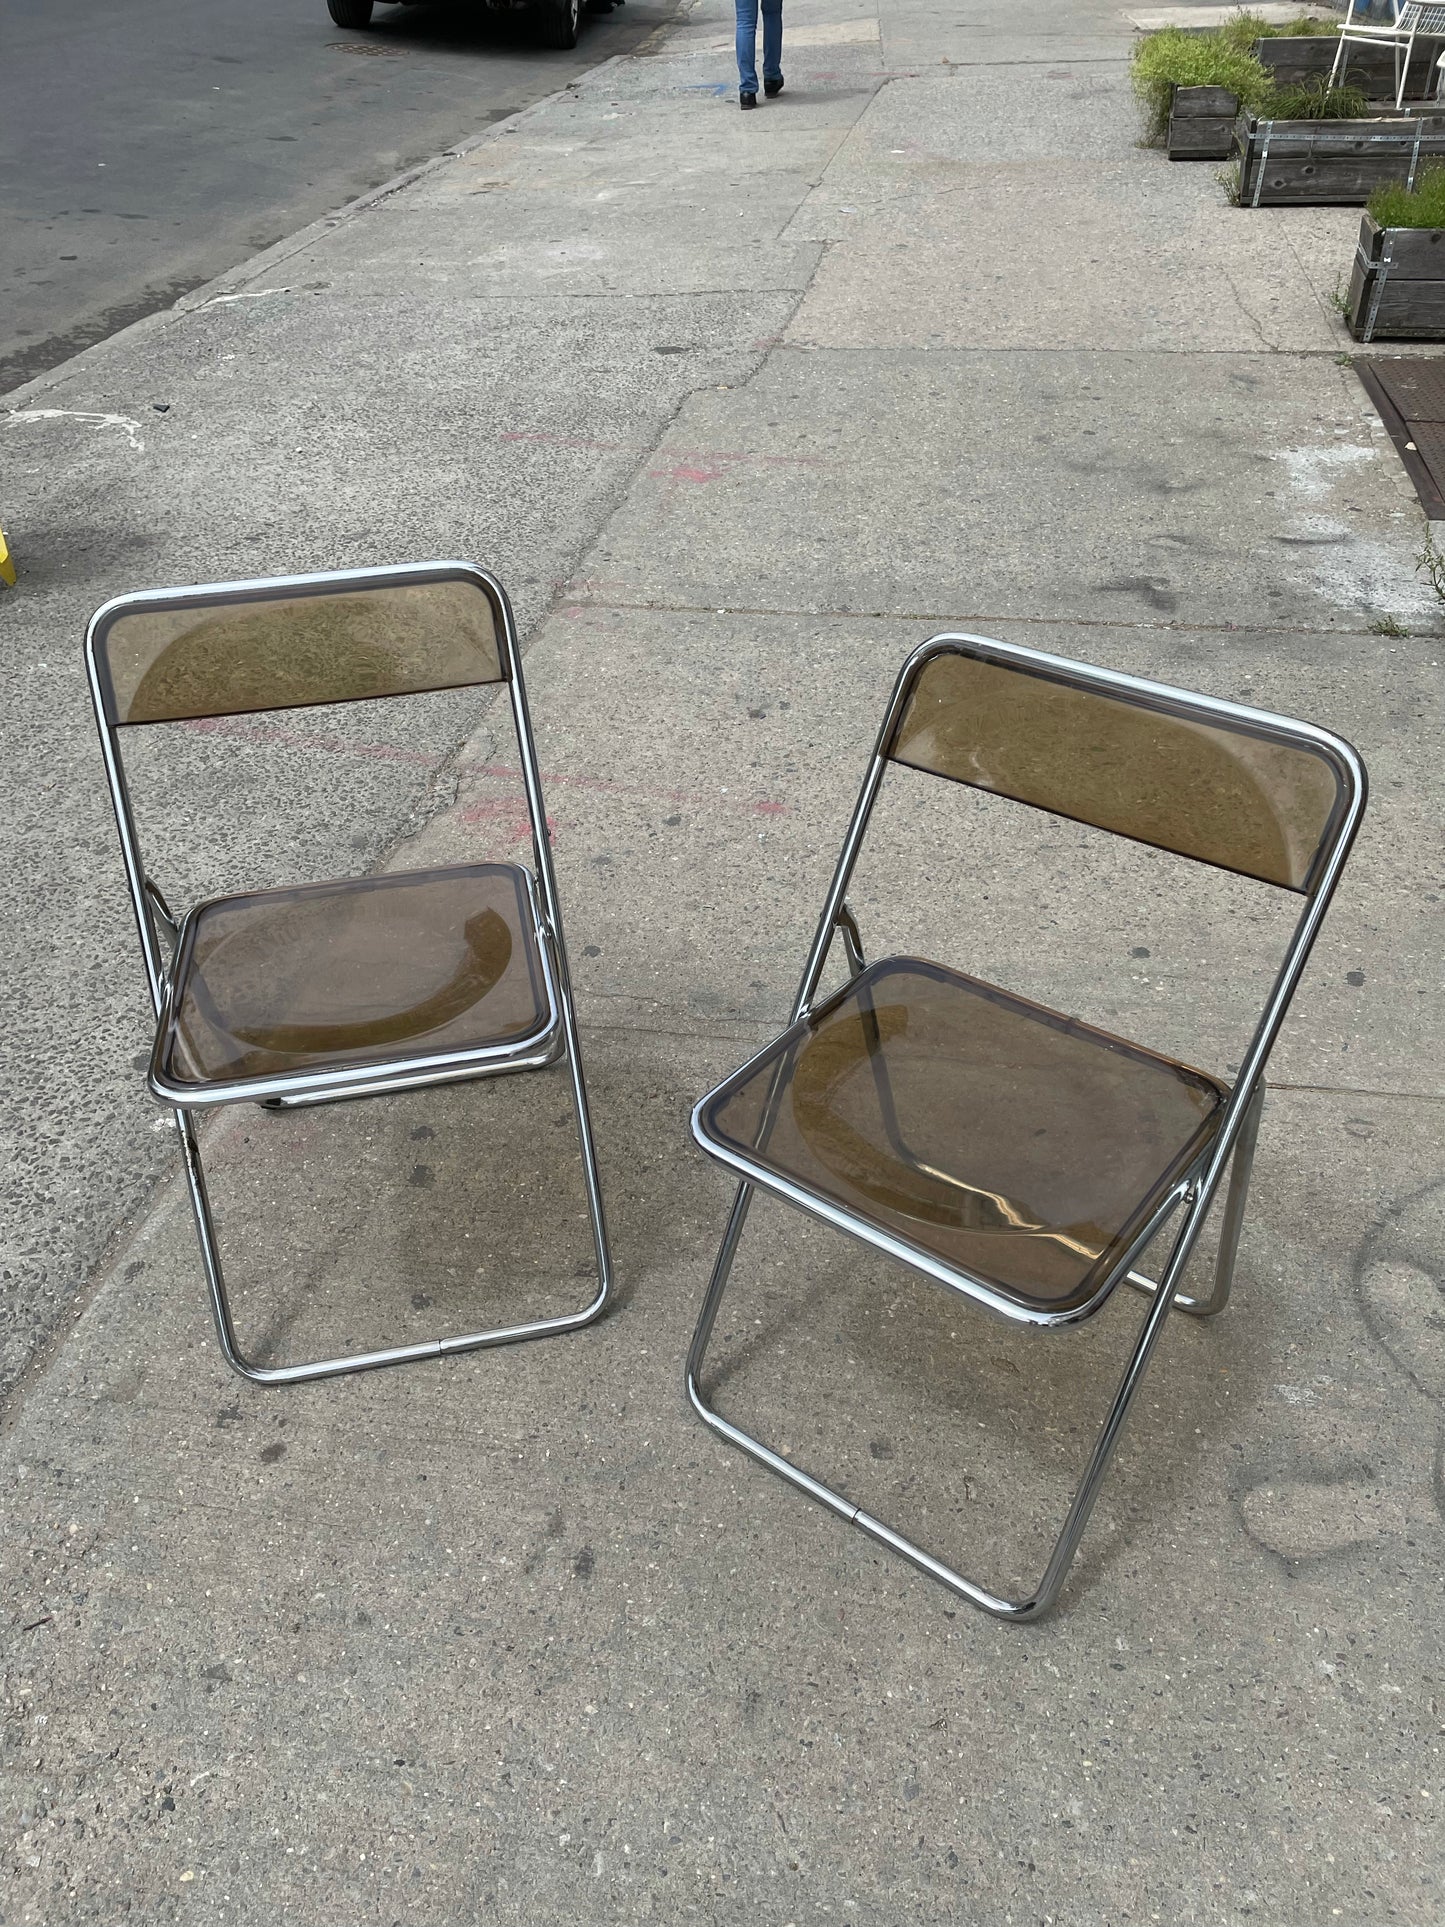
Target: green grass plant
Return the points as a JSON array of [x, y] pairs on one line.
[[1223, 57], [1431, 562], [1301, 29], [1315, 100], [1244, 28], [1173, 58], [1420, 206]]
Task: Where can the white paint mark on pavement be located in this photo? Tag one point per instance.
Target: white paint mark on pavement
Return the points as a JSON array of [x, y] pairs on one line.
[[1329, 545], [91, 417], [244, 294], [1314, 471]]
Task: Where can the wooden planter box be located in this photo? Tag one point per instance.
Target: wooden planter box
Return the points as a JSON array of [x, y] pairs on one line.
[[1372, 69], [1201, 123], [1201, 119], [1397, 290], [1314, 163]]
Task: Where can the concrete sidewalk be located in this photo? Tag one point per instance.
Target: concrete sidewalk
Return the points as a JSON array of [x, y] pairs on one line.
[[740, 409]]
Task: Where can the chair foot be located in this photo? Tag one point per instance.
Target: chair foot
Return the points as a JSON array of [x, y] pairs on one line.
[[885, 1535], [270, 1375]]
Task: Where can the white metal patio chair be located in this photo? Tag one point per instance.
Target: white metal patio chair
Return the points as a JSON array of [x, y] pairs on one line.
[[356, 987], [1410, 20], [1018, 1156]]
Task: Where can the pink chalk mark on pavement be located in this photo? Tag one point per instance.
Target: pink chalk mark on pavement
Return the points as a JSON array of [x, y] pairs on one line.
[[507, 815], [688, 472], [702, 465]]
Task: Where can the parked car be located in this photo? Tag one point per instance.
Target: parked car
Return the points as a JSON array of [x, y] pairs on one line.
[[557, 20]]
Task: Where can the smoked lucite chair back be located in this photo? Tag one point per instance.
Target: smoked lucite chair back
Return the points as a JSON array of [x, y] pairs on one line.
[[260, 646], [1241, 792]]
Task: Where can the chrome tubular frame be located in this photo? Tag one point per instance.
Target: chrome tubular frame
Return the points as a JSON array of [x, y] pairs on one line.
[[421, 1071], [1232, 1145]]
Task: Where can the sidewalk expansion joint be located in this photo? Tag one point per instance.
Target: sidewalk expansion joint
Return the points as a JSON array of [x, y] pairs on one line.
[[1051, 353], [1358, 1090], [1052, 60], [721, 1026], [956, 621]]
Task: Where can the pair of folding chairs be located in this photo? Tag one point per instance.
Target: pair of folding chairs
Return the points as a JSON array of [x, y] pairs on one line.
[[1017, 1156]]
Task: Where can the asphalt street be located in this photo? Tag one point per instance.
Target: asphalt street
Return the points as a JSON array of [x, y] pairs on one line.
[[145, 148]]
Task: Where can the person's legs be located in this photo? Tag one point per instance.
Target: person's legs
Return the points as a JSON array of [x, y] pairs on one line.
[[748, 45], [772, 39]]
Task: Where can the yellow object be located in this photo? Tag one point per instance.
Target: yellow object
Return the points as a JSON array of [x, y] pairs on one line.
[[7, 567]]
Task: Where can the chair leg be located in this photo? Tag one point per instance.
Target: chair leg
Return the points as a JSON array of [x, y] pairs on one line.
[[425, 1348], [1077, 1518], [1241, 1169], [1241, 1166]]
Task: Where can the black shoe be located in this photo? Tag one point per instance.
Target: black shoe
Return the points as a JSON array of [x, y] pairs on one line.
[[771, 87], [747, 100]]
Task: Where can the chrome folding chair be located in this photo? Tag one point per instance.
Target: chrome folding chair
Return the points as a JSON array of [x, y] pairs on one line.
[[1018, 1156], [356, 987], [1410, 19]]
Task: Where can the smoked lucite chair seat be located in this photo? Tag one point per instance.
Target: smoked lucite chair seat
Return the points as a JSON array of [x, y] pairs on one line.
[[358, 978], [1012, 1143]]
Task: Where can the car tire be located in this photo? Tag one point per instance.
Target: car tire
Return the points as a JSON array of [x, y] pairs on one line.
[[558, 23], [350, 13]]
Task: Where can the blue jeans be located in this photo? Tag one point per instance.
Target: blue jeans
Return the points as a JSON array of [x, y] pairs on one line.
[[748, 42]]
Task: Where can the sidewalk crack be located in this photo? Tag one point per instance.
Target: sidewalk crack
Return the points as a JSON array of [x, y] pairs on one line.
[[1253, 319]]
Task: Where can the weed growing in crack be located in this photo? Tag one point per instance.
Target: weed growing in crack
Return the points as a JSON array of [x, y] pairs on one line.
[[1387, 626], [1431, 563]]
